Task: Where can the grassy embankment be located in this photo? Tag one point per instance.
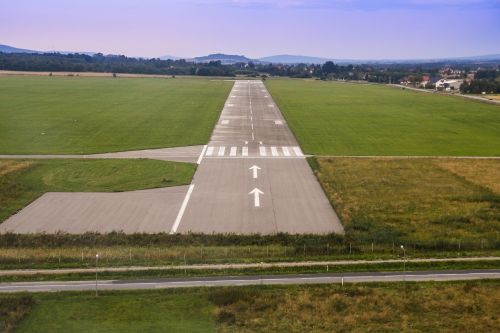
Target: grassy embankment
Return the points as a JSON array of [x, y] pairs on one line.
[[57, 115], [332, 118], [22, 181], [428, 306]]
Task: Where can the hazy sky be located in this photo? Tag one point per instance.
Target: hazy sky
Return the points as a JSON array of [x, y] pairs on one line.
[[361, 29]]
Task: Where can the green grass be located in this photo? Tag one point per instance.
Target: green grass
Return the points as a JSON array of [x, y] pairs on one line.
[[91, 115], [376, 307], [332, 118], [420, 200], [156, 311], [22, 181]]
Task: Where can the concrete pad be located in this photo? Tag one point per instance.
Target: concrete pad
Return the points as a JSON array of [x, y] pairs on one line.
[[149, 211]]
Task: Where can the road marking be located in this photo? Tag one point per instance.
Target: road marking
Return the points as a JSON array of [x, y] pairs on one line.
[[252, 126], [201, 155], [222, 150], [274, 151], [266, 96], [260, 142], [246, 142], [230, 105], [263, 90], [278, 122], [244, 151], [271, 106], [297, 151], [233, 151], [256, 196], [253, 137], [182, 210], [262, 151], [286, 152], [251, 118], [210, 151], [224, 122], [255, 170]]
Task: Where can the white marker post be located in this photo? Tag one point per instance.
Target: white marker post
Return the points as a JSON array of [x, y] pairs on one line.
[[255, 170], [256, 196]]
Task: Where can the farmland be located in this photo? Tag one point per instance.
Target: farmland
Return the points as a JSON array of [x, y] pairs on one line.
[[333, 118], [22, 181], [57, 115], [430, 306]]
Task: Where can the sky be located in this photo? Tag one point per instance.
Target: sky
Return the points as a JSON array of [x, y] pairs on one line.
[[338, 29]]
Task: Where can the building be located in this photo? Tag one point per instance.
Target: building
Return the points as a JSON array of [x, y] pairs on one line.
[[448, 85]]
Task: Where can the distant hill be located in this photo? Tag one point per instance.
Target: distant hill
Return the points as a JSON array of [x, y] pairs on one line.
[[293, 59], [10, 49], [226, 59]]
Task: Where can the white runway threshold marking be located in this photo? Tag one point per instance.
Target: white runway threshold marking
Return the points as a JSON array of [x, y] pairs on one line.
[[182, 210], [274, 151], [297, 151], [286, 152], [244, 151], [201, 155], [233, 151], [222, 150], [262, 151], [210, 151]]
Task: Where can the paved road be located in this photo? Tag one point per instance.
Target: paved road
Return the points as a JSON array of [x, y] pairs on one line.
[[251, 280], [253, 177], [59, 271]]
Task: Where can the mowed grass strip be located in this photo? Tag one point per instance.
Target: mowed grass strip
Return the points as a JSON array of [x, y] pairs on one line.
[[422, 200], [156, 311], [334, 118], [470, 306], [58, 115], [22, 181]]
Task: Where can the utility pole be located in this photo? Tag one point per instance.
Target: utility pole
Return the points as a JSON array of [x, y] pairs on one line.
[[96, 261]]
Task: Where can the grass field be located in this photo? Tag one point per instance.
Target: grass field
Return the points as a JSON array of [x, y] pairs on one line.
[[333, 118], [92, 115], [160, 311], [396, 307], [414, 199], [22, 181]]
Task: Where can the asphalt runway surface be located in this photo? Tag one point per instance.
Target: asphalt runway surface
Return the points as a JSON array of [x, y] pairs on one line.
[[252, 178], [223, 281]]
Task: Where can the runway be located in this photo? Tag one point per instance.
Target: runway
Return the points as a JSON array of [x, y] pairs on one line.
[[253, 177], [223, 281]]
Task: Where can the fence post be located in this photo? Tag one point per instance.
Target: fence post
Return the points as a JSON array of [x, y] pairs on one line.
[[350, 248]]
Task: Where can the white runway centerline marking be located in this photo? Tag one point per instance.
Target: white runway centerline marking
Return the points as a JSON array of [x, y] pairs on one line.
[[182, 210], [297, 151], [222, 150], [274, 151], [286, 152], [244, 151], [210, 151], [233, 151], [262, 151]]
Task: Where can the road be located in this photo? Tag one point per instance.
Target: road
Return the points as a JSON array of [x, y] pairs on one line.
[[253, 177], [250, 280], [267, 265]]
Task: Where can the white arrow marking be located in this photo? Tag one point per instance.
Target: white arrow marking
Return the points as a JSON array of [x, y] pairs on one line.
[[256, 196], [255, 170]]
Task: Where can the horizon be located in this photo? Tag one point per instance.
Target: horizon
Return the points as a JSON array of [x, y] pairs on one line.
[[338, 29]]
